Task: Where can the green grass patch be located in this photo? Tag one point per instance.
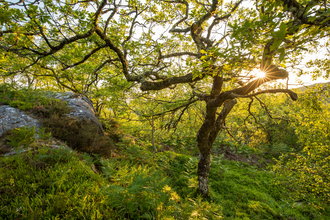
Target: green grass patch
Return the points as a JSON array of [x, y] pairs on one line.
[[246, 192], [46, 183]]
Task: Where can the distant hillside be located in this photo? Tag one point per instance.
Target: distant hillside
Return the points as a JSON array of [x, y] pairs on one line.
[[303, 88]]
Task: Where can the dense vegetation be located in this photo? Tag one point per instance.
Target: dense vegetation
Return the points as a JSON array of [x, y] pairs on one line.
[[285, 176], [174, 84]]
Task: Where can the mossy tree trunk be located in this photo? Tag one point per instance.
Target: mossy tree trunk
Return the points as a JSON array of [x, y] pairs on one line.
[[208, 133]]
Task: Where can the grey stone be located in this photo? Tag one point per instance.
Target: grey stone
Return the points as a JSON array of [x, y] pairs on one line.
[[11, 118], [53, 144], [82, 108]]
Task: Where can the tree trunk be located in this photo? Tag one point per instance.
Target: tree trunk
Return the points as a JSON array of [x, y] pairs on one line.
[[205, 139], [203, 171], [152, 133]]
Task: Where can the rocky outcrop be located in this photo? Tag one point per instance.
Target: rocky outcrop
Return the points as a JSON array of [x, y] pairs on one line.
[[11, 118], [81, 108]]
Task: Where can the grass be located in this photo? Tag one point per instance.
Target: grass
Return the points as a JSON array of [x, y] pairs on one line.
[[45, 183], [246, 192], [48, 183]]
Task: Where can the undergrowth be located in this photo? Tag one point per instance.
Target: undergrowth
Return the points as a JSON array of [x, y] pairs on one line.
[[46, 183], [50, 184]]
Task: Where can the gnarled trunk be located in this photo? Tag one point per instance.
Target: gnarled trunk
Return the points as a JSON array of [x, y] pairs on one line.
[[203, 171], [205, 139], [213, 123]]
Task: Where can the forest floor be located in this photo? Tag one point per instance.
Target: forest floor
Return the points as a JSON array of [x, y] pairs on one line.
[[45, 183]]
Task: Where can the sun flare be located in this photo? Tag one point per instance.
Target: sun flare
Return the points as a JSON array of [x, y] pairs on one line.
[[258, 73]]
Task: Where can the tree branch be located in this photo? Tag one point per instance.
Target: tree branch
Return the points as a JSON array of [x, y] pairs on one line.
[[58, 79], [95, 73], [292, 94], [264, 106], [25, 33], [299, 13], [218, 19], [146, 85], [177, 54], [174, 29], [120, 55], [86, 57]]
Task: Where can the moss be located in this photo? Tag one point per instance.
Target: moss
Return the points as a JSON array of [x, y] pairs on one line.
[[25, 99]]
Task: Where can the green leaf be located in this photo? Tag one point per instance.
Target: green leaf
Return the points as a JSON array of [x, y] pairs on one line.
[[282, 54], [282, 32], [275, 45]]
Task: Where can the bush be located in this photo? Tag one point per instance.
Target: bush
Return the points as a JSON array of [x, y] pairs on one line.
[[112, 128], [82, 135], [54, 106], [308, 170]]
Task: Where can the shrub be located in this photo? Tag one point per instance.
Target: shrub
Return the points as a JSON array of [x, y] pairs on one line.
[[82, 135], [308, 170], [54, 106], [112, 128]]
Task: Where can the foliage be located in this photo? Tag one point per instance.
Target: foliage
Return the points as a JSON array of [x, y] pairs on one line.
[[308, 170], [137, 192], [55, 107], [174, 55], [43, 135], [82, 135], [50, 184], [112, 128], [246, 192], [36, 184], [21, 137]]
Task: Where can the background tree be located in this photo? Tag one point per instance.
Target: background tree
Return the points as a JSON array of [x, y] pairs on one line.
[[309, 168], [204, 50]]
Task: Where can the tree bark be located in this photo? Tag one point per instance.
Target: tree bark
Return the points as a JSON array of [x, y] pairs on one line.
[[213, 124], [203, 171], [207, 134], [152, 133]]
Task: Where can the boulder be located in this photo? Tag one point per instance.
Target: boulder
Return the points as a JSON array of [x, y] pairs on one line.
[[82, 108], [11, 118]]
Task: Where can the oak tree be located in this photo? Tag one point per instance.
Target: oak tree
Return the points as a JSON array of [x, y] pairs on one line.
[[207, 50]]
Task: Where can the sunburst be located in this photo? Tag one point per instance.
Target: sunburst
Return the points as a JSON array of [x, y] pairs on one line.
[[258, 73]]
